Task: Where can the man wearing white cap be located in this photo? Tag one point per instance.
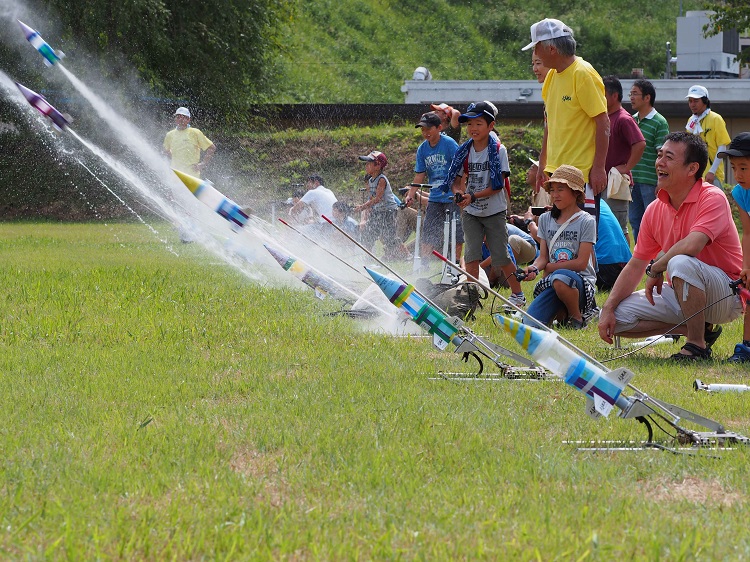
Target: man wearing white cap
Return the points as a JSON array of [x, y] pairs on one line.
[[184, 145], [576, 131], [711, 128]]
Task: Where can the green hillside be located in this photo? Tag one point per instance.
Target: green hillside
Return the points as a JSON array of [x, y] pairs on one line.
[[356, 51]]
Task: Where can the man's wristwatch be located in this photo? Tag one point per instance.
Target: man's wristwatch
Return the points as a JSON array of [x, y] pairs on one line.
[[473, 197], [651, 273]]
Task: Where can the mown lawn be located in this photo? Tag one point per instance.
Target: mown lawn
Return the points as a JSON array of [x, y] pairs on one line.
[[160, 406]]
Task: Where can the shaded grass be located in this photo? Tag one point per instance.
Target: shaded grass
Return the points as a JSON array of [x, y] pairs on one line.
[[157, 406]]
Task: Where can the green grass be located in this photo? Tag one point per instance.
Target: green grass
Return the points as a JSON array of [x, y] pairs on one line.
[[163, 407]]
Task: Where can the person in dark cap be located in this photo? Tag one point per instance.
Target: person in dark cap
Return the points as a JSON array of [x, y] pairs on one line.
[[478, 178], [739, 159], [434, 158]]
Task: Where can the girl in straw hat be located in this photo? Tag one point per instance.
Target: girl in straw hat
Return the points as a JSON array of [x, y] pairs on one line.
[[566, 254]]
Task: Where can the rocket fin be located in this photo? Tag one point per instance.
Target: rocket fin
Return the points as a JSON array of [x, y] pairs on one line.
[[591, 410], [439, 342], [620, 377], [602, 406]]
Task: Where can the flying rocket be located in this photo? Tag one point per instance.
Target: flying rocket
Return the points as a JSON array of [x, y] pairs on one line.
[[602, 389], [207, 194], [317, 281], [44, 107], [50, 56], [423, 313]]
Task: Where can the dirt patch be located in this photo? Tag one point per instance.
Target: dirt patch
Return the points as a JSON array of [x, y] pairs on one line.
[[693, 490], [264, 468]]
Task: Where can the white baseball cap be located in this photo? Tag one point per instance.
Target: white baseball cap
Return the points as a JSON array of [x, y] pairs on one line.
[[183, 111], [697, 91], [547, 29]]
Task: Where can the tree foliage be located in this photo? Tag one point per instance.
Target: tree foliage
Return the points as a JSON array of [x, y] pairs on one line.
[[216, 53], [729, 14]]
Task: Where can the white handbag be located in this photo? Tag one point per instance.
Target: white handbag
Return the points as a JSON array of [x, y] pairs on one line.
[[618, 186]]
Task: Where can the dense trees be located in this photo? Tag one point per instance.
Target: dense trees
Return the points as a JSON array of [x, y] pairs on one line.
[[730, 14], [217, 53]]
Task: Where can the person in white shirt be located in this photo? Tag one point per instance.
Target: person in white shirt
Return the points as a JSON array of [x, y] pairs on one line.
[[318, 200]]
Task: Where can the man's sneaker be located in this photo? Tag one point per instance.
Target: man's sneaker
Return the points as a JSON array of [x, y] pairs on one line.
[[741, 354], [518, 300]]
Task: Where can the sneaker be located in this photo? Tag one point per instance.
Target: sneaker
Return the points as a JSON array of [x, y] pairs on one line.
[[575, 324], [741, 354], [518, 300]]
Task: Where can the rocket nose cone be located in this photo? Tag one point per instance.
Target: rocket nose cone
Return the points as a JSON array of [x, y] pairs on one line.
[[278, 256], [26, 29], [527, 336], [373, 274], [191, 182], [28, 94]]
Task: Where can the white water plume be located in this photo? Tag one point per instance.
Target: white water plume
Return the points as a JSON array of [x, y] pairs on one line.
[[158, 189]]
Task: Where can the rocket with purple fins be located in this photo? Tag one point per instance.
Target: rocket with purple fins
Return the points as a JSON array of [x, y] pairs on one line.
[[44, 107], [317, 281], [422, 312], [602, 389], [207, 194], [50, 56]]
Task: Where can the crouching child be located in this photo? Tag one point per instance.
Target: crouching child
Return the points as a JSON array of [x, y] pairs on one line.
[[566, 238]]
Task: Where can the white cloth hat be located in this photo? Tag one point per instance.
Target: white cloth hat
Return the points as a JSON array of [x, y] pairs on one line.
[[183, 111], [547, 29], [697, 91]]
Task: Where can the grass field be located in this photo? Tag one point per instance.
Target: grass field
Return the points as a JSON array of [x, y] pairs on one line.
[[160, 406]]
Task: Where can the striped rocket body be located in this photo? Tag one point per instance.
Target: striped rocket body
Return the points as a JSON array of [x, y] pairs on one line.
[[322, 286], [207, 194], [547, 350], [38, 102], [50, 55], [428, 317]]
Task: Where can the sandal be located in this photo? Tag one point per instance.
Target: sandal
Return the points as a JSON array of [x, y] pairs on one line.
[[697, 353], [711, 334]]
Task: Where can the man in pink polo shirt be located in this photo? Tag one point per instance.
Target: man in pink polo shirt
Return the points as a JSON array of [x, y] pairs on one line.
[[687, 235]]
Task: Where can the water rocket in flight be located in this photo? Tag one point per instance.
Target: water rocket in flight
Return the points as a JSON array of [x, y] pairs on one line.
[[317, 281], [50, 56], [601, 389], [207, 194], [44, 107]]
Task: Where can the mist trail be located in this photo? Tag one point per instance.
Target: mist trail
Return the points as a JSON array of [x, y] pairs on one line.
[[128, 207], [170, 199], [124, 130], [119, 168]]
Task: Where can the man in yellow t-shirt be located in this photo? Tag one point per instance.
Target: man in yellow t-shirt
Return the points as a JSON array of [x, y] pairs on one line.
[[711, 128], [184, 145], [576, 130]]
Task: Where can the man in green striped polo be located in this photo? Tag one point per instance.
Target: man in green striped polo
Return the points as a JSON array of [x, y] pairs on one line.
[[654, 127]]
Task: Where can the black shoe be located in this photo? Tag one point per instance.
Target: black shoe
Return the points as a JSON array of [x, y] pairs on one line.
[[711, 334]]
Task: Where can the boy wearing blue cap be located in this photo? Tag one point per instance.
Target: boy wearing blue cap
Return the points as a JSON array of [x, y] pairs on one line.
[[478, 179]]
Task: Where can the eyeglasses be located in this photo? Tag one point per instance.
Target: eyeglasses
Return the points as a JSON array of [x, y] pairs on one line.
[[635, 94]]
